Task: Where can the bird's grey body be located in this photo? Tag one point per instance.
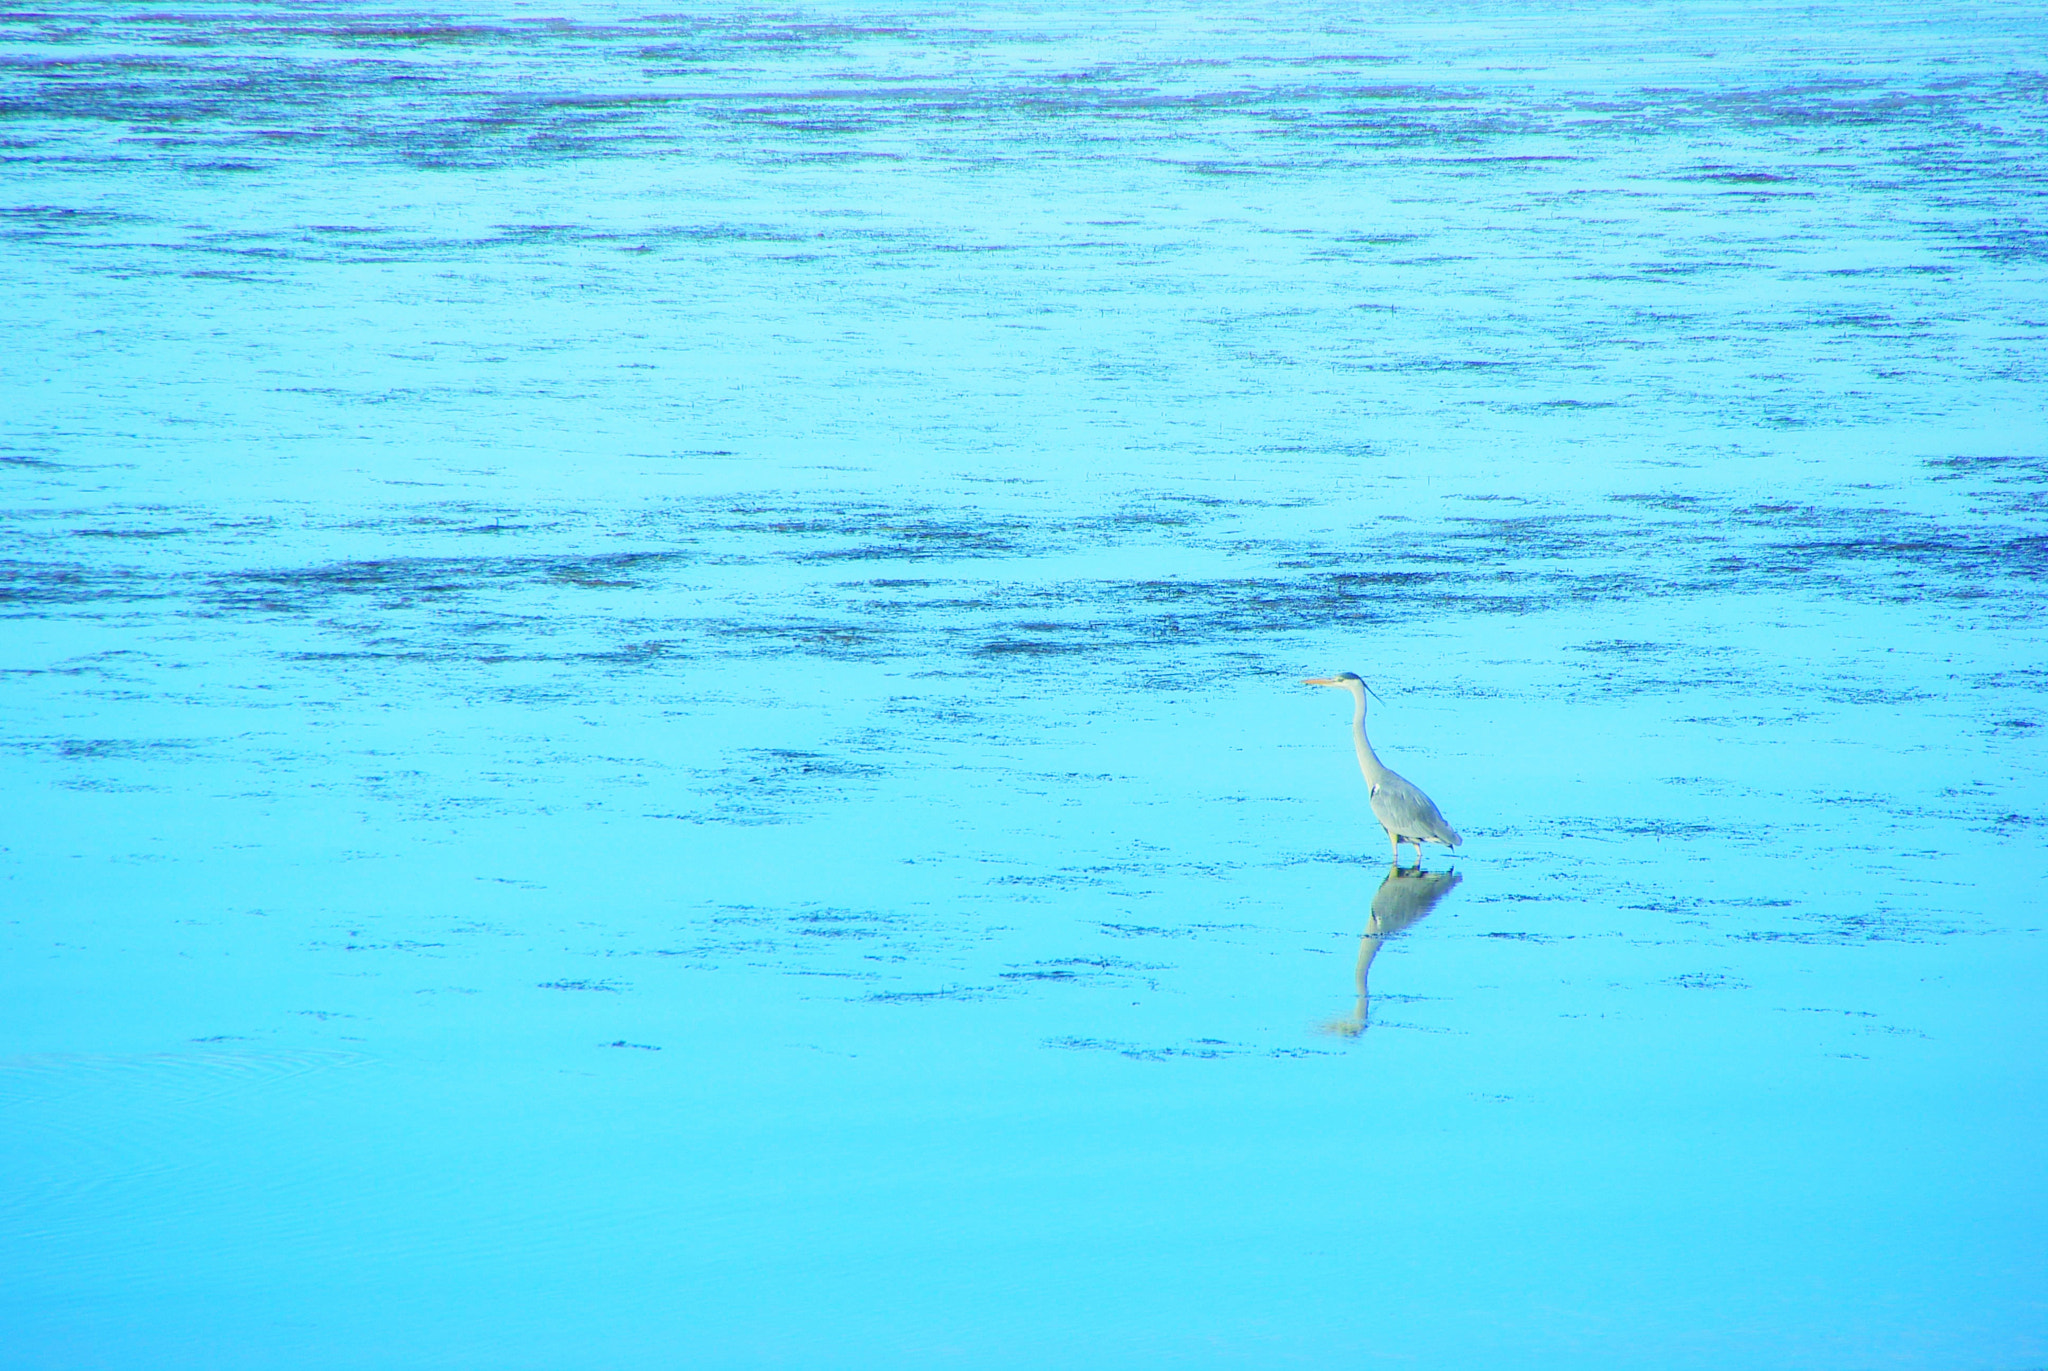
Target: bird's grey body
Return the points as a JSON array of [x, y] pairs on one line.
[[1408, 815]]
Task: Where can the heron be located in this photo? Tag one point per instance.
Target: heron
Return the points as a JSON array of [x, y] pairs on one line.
[[1408, 815]]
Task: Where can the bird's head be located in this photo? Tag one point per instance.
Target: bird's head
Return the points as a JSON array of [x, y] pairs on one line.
[[1343, 680]]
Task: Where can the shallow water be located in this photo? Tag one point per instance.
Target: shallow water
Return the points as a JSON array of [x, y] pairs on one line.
[[651, 713]]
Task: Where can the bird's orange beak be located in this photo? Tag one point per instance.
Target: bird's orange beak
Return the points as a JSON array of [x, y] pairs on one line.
[[1323, 680]]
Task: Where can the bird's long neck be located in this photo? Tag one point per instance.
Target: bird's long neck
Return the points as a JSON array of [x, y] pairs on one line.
[[1368, 760]]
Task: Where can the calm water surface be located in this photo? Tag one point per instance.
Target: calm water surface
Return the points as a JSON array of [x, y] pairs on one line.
[[648, 686]]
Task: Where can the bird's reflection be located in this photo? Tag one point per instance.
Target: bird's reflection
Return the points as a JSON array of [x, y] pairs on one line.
[[1406, 896]]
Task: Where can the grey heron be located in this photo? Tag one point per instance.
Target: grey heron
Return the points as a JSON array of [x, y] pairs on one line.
[[1408, 815]]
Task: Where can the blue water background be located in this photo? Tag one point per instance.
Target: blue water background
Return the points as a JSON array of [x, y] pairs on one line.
[[649, 709]]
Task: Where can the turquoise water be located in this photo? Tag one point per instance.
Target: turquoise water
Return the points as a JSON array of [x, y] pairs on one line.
[[649, 681]]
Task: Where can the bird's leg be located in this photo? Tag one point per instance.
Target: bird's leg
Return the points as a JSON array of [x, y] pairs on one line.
[[1394, 841]]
